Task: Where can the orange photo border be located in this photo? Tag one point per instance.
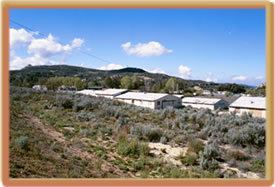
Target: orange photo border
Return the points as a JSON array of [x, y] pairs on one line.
[[112, 4]]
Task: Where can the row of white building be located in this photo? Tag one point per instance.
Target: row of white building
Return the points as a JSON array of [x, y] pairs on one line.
[[253, 105]]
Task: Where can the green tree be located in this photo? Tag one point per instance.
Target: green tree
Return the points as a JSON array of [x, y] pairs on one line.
[[54, 82], [108, 82], [111, 82], [136, 82], [78, 83], [93, 83], [171, 85], [126, 82]]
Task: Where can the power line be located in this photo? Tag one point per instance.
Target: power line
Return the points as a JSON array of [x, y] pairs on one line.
[[42, 34], [28, 28]]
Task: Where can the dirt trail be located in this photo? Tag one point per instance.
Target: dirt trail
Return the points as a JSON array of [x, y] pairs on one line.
[[75, 151]]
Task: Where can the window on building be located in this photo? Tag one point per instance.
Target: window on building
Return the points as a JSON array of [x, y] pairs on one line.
[[158, 103]]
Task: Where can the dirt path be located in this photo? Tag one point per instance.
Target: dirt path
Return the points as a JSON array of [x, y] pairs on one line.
[[75, 151]]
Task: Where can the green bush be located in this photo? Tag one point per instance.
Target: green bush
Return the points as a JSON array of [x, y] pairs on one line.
[[189, 159], [140, 164], [65, 101], [208, 158], [258, 166], [131, 148], [195, 145]]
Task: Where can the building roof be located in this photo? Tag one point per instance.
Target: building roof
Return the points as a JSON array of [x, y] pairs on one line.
[[200, 100], [178, 95], [249, 102], [86, 92], [142, 96], [110, 91]]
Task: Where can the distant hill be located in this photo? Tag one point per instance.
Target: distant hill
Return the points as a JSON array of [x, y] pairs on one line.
[[32, 75], [128, 70]]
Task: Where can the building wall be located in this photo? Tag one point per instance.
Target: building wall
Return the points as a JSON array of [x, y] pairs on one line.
[[254, 112], [106, 96], [148, 104], [221, 104], [211, 107], [170, 101]]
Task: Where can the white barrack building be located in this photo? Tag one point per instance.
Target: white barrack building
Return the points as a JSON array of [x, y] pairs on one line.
[[150, 100], [254, 105]]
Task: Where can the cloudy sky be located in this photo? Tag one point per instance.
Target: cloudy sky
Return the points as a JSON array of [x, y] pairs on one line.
[[225, 45]]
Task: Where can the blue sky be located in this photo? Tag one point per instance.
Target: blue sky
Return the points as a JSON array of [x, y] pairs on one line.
[[226, 45]]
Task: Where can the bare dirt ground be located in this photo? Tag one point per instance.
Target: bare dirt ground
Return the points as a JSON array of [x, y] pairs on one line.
[[170, 154]]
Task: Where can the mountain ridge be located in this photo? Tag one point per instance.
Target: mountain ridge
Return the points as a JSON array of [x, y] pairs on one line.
[[35, 73]]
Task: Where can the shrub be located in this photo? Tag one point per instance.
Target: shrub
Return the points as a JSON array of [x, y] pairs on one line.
[[147, 132], [163, 140], [254, 134], [65, 101], [208, 157], [121, 121], [243, 165], [257, 166], [87, 132], [182, 138], [174, 172], [140, 164], [136, 131], [189, 159], [152, 134], [195, 145], [236, 154], [131, 148], [84, 102], [22, 142], [234, 137], [85, 116]]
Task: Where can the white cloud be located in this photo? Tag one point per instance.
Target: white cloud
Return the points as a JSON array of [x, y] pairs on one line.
[[259, 78], [239, 78], [211, 77], [40, 49], [208, 79], [111, 67], [77, 42], [47, 47], [151, 48], [184, 71], [19, 63], [20, 36], [156, 70]]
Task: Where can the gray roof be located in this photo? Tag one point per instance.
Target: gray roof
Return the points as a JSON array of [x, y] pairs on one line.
[[200, 100], [249, 102], [142, 96], [178, 95], [86, 92], [111, 92]]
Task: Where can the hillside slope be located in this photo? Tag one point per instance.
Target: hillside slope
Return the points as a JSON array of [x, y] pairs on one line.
[[75, 136], [33, 73]]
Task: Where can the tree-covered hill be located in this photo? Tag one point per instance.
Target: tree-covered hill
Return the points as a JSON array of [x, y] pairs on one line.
[[130, 78]]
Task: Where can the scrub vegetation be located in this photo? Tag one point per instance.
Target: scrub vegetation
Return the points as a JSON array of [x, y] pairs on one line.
[[64, 135]]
